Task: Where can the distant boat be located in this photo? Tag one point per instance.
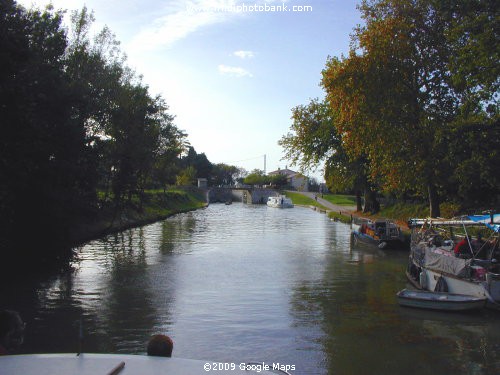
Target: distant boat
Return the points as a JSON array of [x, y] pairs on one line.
[[439, 301], [382, 233], [280, 201]]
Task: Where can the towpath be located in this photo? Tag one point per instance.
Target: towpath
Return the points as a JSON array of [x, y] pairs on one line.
[[345, 210], [349, 210]]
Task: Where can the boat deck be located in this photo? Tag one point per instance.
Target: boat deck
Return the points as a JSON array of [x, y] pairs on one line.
[[114, 364]]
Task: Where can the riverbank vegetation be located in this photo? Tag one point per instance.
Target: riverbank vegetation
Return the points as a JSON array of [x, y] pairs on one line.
[[154, 205], [412, 111], [259, 178], [83, 139]]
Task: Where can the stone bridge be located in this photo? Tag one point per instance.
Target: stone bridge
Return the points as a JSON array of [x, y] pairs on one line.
[[245, 195]]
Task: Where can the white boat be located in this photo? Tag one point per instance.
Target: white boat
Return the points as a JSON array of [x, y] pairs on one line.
[[434, 266], [279, 201], [121, 364], [439, 301]]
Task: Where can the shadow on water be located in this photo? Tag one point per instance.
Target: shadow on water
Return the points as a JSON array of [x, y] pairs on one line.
[[104, 288]]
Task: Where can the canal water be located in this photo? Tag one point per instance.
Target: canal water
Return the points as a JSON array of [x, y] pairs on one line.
[[244, 283]]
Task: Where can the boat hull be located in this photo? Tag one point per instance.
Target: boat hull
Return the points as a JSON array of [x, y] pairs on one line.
[[280, 205], [280, 202], [428, 280], [380, 243], [439, 301]]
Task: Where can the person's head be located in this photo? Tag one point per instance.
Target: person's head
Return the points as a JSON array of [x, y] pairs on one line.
[[11, 330], [160, 346]]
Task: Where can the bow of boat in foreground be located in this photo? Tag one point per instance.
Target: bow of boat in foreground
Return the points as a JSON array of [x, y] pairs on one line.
[[114, 364]]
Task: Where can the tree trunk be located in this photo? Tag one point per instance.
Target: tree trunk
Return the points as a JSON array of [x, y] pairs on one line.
[[433, 201], [371, 203], [359, 205]]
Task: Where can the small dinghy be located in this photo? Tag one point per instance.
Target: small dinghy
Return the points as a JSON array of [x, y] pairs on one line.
[[439, 301]]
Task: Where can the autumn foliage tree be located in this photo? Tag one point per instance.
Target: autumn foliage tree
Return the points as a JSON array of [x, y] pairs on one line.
[[394, 96], [415, 99]]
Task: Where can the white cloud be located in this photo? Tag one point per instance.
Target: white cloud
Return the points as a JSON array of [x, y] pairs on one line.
[[180, 19], [244, 54], [234, 71]]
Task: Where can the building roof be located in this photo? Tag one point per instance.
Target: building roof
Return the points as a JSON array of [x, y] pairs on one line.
[[287, 172]]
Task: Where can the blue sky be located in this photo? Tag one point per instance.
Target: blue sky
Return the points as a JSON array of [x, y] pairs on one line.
[[230, 77]]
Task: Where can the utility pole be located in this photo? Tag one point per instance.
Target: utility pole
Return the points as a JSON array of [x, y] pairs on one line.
[[264, 164]]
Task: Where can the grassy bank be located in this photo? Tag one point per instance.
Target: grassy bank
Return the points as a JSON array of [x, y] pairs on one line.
[[404, 211], [301, 200], [398, 212], [340, 200], [337, 199], [156, 205]]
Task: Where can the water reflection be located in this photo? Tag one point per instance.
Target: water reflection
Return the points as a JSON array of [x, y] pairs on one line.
[[249, 283], [364, 331]]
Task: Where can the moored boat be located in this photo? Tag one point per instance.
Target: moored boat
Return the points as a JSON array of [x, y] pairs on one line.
[[279, 201], [382, 233], [444, 256], [439, 300]]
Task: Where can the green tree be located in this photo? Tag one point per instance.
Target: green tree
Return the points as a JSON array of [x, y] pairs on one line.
[[278, 180], [187, 177], [473, 140], [96, 73], [46, 170], [199, 162], [131, 132], [313, 139], [256, 177], [475, 156], [135, 133], [172, 143], [74, 119], [223, 174], [473, 31]]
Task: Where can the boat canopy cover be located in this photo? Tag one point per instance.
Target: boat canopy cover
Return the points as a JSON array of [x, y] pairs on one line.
[[487, 220], [439, 262]]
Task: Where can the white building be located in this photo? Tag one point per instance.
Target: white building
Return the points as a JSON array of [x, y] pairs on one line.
[[202, 183], [296, 180]]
